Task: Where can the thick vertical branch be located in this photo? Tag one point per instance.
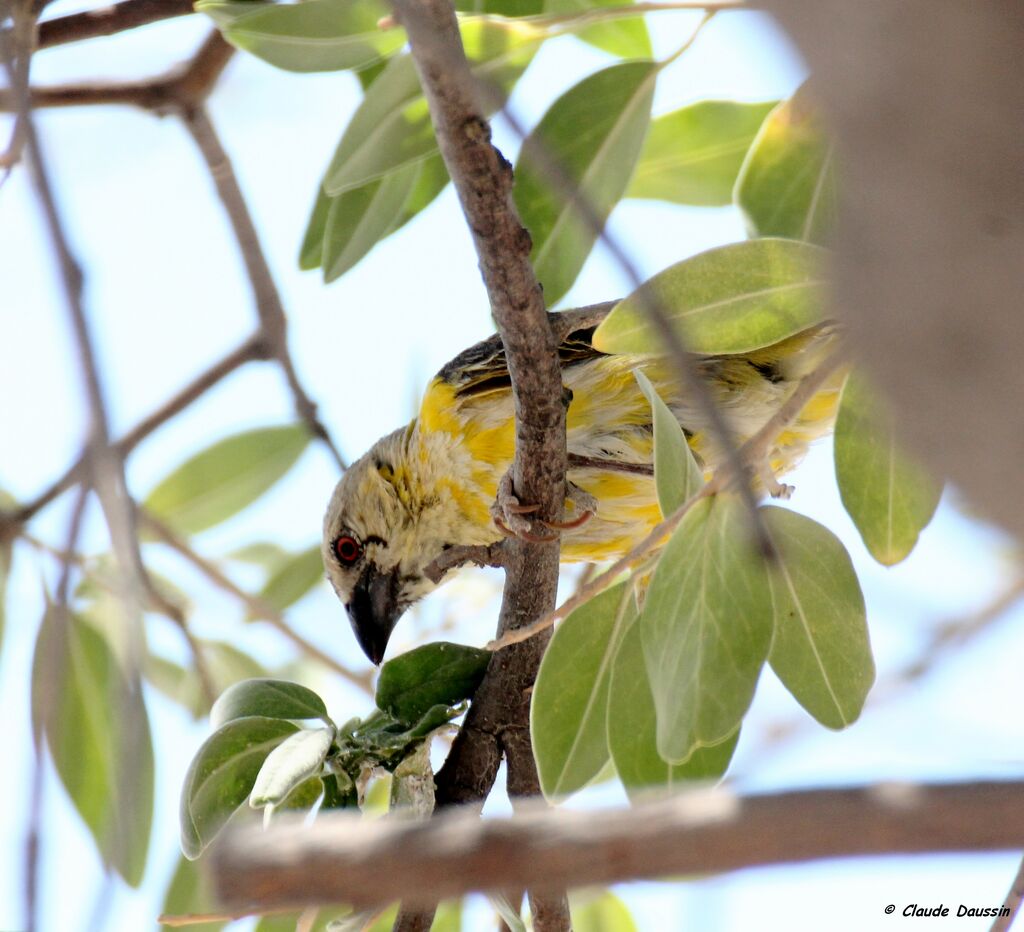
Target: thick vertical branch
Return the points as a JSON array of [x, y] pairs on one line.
[[498, 723]]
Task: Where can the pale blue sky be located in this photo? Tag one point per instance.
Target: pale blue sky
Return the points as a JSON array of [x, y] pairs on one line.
[[166, 297]]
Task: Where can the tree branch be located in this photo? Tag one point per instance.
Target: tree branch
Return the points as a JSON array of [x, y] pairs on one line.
[[498, 721], [108, 20], [340, 858]]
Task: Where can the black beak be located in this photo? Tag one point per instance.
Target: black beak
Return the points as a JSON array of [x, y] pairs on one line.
[[374, 610]]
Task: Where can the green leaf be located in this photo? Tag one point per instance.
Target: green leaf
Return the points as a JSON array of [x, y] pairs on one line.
[[706, 627], [501, 7], [632, 729], [360, 217], [296, 759], [570, 698], [787, 185], [294, 578], [676, 473], [97, 729], [437, 674], [263, 554], [222, 775], [626, 38], [191, 893], [593, 134], [820, 650], [267, 698], [431, 180], [604, 913], [890, 498], [732, 299], [314, 35], [311, 252], [225, 478], [392, 128], [693, 155]]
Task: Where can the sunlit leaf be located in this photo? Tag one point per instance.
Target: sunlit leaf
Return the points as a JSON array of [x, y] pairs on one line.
[[225, 663], [604, 913], [360, 217], [293, 578], [820, 650], [676, 473], [593, 134], [190, 893], [225, 478], [706, 627], [693, 155], [501, 7], [267, 698], [570, 698], [890, 498], [222, 775], [97, 728], [314, 35], [731, 299], [787, 185], [291, 763], [626, 38], [436, 674], [632, 729], [392, 128]]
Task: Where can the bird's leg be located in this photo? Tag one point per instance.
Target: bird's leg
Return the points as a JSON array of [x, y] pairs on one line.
[[512, 516], [775, 488]]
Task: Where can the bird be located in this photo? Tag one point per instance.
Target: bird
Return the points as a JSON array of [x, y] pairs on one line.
[[432, 484]]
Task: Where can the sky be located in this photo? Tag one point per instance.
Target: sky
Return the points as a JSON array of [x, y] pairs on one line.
[[166, 296]]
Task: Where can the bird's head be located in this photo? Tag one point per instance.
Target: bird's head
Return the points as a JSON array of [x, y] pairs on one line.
[[379, 535]]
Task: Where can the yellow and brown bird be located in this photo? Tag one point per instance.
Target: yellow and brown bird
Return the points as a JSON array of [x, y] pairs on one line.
[[430, 485]]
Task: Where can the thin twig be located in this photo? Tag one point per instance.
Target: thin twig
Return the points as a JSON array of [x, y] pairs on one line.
[[257, 606], [108, 20], [752, 451], [1012, 902], [273, 322]]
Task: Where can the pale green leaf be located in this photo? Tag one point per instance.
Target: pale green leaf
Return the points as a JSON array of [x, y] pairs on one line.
[[222, 775], [507, 912], [360, 217], [731, 299], [501, 7], [314, 35], [225, 478], [190, 893], [97, 729], [820, 650], [787, 185], [296, 759], [604, 913], [890, 498], [626, 38], [225, 663], [311, 252], [294, 578], [676, 473], [570, 698], [592, 134], [693, 155], [264, 554], [706, 627], [391, 127], [632, 730], [267, 698]]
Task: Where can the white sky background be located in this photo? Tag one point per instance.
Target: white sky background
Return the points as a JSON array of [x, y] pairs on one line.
[[166, 297]]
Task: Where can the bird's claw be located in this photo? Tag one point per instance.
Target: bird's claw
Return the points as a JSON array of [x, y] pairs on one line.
[[509, 513], [775, 488]]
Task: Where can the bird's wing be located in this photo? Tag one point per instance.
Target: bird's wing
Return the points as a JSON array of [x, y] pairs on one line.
[[483, 368]]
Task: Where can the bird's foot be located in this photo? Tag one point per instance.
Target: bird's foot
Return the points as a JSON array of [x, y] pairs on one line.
[[775, 488], [513, 518]]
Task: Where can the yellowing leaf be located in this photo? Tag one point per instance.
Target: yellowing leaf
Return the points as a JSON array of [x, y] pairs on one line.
[[787, 185], [820, 650], [225, 478], [890, 498], [593, 134], [570, 698], [706, 627], [732, 299], [693, 155]]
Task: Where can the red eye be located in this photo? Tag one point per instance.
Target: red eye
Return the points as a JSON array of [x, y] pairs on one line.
[[347, 550]]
